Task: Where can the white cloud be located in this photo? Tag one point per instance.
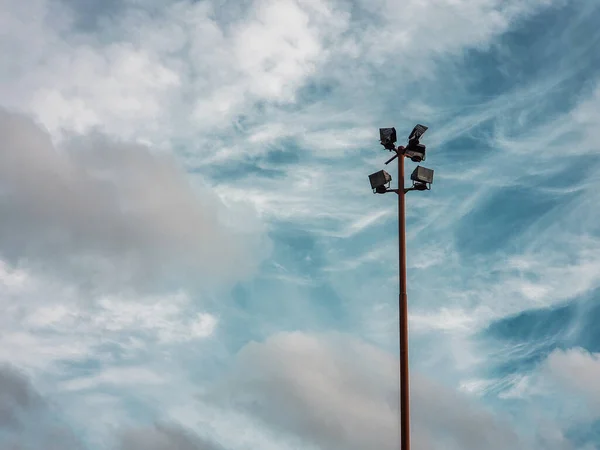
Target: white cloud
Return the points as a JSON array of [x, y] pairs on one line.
[[10, 278], [193, 66], [46, 325], [365, 222], [122, 79], [164, 316], [116, 376], [563, 388], [27, 350], [140, 71], [445, 319], [372, 256]]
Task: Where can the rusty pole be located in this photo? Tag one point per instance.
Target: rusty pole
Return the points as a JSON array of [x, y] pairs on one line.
[[403, 310]]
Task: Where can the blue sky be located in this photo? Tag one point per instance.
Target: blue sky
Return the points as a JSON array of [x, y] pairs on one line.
[[191, 256]]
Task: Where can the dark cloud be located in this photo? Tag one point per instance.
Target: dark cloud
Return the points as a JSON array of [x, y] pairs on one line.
[[111, 213]]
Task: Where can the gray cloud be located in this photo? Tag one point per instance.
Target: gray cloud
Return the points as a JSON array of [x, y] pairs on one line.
[[577, 372], [27, 421], [16, 396], [103, 210], [339, 393], [443, 415], [331, 391], [163, 437]]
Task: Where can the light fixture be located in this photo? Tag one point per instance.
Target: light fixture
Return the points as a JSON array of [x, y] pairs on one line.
[[387, 137], [380, 181], [415, 151], [422, 178], [417, 132]]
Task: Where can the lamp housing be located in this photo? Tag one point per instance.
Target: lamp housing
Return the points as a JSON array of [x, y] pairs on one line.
[[387, 137], [417, 132], [380, 181], [422, 178], [415, 151]]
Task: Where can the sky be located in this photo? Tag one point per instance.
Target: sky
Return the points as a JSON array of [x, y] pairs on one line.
[[191, 257]]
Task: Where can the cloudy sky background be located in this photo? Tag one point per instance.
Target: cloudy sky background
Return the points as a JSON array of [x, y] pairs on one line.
[[191, 257]]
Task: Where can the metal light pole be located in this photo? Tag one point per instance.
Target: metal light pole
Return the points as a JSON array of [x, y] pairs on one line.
[[422, 179], [403, 312]]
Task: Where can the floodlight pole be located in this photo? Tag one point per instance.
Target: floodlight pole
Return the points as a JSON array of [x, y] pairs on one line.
[[416, 152], [403, 309], [402, 302]]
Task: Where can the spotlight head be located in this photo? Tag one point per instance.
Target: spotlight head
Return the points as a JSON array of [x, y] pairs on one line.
[[415, 151], [422, 178], [387, 137], [380, 181], [417, 132]]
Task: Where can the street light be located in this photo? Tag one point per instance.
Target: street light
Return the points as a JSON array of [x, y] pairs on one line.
[[422, 179]]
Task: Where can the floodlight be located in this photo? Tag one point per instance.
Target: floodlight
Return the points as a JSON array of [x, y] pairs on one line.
[[422, 178], [380, 181], [387, 136], [417, 132], [415, 151]]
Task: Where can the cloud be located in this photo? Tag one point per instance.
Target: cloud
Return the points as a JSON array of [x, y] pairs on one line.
[[16, 396], [27, 420], [321, 391], [218, 82], [224, 67], [186, 63], [561, 388], [336, 392], [112, 213], [45, 326], [163, 437], [121, 377], [578, 371]]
